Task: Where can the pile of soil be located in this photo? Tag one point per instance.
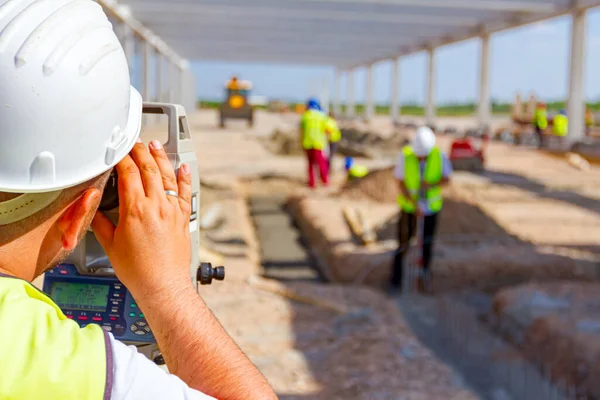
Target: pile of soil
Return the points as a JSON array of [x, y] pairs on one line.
[[556, 325], [354, 143], [461, 214], [379, 186]]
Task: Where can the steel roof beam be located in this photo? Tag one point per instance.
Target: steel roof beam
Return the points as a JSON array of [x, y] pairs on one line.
[[179, 12], [214, 27], [489, 29], [489, 5]]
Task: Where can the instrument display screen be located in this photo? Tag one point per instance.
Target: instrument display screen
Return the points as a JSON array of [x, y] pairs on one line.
[[80, 296]]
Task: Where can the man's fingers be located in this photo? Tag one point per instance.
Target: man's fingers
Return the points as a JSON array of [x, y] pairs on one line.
[[151, 177], [131, 188], [164, 165], [104, 230], [184, 181]]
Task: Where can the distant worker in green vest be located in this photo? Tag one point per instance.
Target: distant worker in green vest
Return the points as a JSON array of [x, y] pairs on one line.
[[335, 135], [560, 125], [354, 170], [313, 136], [540, 122], [589, 120], [421, 171]]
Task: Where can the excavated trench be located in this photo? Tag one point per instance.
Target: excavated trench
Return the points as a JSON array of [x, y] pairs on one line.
[[454, 326]]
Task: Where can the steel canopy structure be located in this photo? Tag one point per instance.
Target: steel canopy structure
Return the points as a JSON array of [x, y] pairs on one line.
[[347, 34]]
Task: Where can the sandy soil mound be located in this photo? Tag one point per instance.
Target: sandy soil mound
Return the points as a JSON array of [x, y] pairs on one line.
[[556, 325]]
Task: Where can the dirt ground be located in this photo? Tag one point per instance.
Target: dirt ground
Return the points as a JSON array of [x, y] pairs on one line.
[[353, 343], [310, 352]]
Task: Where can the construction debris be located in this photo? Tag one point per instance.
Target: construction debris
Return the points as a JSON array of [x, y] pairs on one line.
[[359, 226], [578, 162]]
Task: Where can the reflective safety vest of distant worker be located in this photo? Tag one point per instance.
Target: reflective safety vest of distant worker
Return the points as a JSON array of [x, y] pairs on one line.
[[541, 118], [561, 125], [412, 180], [313, 126], [335, 135], [46, 355]]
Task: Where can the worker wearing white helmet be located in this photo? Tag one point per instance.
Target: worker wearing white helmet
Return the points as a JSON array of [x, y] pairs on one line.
[[68, 115], [421, 170]]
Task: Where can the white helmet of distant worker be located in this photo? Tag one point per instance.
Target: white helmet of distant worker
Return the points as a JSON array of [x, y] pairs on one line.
[[67, 110], [423, 142]]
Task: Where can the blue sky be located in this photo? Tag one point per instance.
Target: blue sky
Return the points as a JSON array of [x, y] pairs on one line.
[[529, 59]]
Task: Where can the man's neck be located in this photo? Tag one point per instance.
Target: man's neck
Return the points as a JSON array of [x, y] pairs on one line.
[[20, 258]]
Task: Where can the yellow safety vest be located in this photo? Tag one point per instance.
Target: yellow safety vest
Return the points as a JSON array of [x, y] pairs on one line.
[[541, 118], [313, 130], [561, 125], [44, 354], [412, 180], [335, 135], [357, 172]]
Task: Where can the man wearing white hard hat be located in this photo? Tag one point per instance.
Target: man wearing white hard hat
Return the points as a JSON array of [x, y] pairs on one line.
[[68, 115], [421, 170]]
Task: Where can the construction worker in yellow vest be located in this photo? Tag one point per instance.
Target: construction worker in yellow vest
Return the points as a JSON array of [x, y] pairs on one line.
[[335, 135], [540, 122], [313, 136], [589, 120], [71, 116], [355, 171], [560, 125], [421, 171]]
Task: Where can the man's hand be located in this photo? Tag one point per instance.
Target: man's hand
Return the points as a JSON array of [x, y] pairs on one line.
[[151, 240], [151, 254]]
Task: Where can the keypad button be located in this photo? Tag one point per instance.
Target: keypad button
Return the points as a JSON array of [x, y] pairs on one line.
[[107, 328], [140, 332], [141, 323], [132, 314], [147, 329], [82, 318], [133, 305], [97, 319], [133, 328]]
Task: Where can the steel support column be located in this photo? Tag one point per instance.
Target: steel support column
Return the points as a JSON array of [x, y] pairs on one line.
[[369, 102], [430, 100], [350, 105], [484, 111], [395, 93], [146, 96], [159, 81], [576, 102], [127, 38], [337, 93]]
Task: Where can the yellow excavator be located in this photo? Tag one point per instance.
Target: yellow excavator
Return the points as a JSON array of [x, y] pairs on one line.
[[236, 105]]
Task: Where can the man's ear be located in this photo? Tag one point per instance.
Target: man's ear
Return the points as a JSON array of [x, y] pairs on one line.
[[76, 216]]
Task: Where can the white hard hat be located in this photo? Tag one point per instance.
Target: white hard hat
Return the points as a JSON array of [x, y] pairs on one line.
[[423, 142], [67, 110]]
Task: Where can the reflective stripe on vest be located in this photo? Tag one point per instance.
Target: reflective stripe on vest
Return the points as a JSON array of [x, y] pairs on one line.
[[45, 355], [313, 130], [335, 135], [541, 118], [561, 125], [412, 180]]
